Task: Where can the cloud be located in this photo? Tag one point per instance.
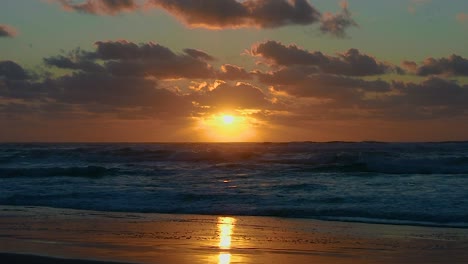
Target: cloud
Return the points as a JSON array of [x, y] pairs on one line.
[[122, 94], [287, 55], [7, 31], [86, 94], [454, 65], [12, 71], [64, 62], [118, 78], [350, 63], [339, 97], [433, 92], [123, 58], [354, 63], [17, 83], [121, 80], [241, 95], [336, 24], [233, 72], [222, 14], [99, 7], [302, 81], [125, 50], [462, 17], [198, 54], [235, 14], [331, 97], [433, 98], [333, 87]]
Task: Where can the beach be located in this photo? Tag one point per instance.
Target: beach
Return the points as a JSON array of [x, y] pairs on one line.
[[233, 131], [69, 235]]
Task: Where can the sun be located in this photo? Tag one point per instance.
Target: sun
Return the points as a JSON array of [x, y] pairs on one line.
[[228, 119], [227, 127]]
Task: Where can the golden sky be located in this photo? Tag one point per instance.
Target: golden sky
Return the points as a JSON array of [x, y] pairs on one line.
[[232, 70]]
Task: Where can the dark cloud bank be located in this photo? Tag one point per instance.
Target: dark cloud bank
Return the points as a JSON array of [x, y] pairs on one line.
[[454, 65], [121, 79], [228, 13]]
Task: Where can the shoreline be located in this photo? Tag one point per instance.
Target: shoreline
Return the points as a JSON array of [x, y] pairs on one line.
[[36, 259], [169, 238]]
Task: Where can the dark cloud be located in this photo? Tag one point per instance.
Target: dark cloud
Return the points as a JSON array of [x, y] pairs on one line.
[[454, 65], [100, 7], [117, 78], [211, 14], [96, 94], [234, 14], [124, 80], [7, 31], [222, 14], [107, 93], [351, 63], [432, 92], [354, 63], [336, 24], [288, 55], [198, 54], [68, 63], [233, 72], [126, 58], [123, 58], [327, 86], [125, 50], [17, 83], [12, 71]]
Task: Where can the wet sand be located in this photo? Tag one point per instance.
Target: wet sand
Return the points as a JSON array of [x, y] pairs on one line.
[[71, 235]]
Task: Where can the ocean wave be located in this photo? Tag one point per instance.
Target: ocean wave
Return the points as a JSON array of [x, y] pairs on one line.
[[71, 201], [389, 158], [87, 171], [415, 183]]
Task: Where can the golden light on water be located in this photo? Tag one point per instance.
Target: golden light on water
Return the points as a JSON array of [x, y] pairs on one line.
[[225, 229], [224, 258]]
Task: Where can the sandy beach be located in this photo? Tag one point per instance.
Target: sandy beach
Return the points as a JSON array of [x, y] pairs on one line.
[[162, 238]]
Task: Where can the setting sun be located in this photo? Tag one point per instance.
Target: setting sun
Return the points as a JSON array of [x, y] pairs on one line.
[[223, 127], [228, 119]]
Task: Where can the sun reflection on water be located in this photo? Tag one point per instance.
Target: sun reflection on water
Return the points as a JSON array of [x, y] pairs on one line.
[[224, 258], [225, 229]]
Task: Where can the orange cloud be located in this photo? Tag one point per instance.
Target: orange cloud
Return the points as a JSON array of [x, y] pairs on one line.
[[462, 17], [7, 31]]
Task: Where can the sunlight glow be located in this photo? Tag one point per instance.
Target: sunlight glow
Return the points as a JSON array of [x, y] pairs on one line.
[[228, 127], [228, 119]]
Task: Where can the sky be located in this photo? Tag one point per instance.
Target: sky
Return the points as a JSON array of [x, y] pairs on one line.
[[233, 70]]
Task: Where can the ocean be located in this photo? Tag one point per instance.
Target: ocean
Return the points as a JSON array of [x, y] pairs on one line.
[[371, 182]]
